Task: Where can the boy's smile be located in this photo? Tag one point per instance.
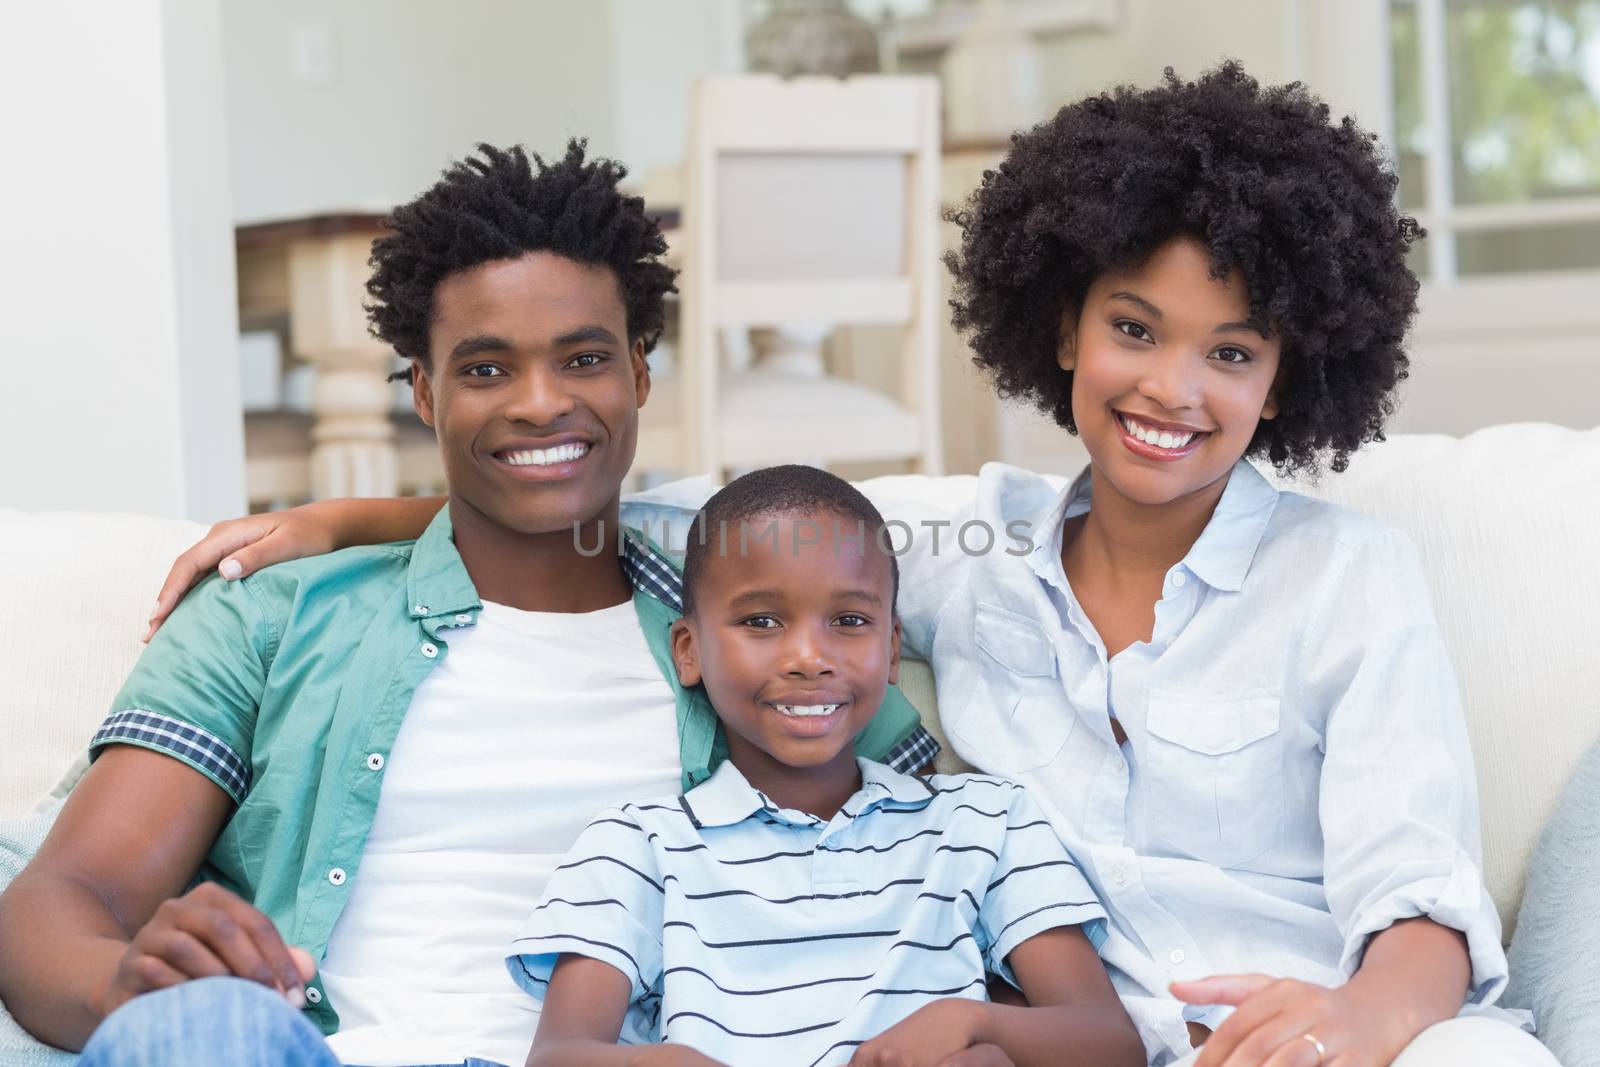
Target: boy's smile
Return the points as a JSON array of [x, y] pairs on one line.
[[795, 641], [534, 391], [1170, 379]]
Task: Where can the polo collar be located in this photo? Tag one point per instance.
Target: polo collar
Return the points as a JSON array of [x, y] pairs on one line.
[[437, 583], [727, 797], [1222, 555]]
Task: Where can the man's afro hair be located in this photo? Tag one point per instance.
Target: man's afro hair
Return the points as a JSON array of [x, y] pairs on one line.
[[500, 204], [1304, 207]]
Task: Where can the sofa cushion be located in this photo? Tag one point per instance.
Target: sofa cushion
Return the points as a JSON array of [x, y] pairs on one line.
[[79, 587]]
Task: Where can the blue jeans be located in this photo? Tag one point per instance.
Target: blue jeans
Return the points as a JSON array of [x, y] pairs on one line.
[[209, 1022]]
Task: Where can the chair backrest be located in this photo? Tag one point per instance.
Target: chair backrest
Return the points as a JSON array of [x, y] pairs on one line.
[[811, 200]]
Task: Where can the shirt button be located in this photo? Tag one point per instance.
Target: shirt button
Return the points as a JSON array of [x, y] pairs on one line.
[[1118, 763], [430, 649], [420, 609], [1119, 874], [336, 876], [462, 620], [375, 762], [1180, 579], [1177, 955], [313, 995]]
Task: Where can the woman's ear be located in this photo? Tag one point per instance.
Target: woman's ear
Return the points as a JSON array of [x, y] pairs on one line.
[[685, 656], [1067, 346], [421, 392], [1269, 407]]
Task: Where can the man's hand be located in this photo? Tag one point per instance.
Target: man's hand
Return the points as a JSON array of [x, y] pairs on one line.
[[239, 547], [205, 933], [932, 1036], [1274, 1015]]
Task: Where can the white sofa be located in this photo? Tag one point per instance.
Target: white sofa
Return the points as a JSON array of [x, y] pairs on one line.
[[1507, 521]]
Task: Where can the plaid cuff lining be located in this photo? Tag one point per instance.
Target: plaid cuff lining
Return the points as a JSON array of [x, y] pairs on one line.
[[915, 752], [205, 751]]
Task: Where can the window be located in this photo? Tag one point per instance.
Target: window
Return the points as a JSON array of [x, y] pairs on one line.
[[1497, 130]]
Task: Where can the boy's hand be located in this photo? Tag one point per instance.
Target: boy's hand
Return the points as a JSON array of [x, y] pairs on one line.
[[1275, 1015], [939, 1034], [208, 932]]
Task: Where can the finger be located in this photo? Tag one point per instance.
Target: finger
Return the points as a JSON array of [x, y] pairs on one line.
[[1229, 989], [224, 542], [1236, 1028], [141, 972], [1279, 1036], [304, 962], [285, 969], [185, 953]]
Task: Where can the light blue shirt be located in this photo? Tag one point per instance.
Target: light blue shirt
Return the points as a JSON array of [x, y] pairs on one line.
[[759, 934], [1298, 774]]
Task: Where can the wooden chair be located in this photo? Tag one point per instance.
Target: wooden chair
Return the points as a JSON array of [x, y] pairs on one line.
[[811, 204]]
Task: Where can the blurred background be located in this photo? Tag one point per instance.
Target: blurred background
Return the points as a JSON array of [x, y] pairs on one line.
[[190, 188]]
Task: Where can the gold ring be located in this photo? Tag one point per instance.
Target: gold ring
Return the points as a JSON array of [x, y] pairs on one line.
[[1322, 1053]]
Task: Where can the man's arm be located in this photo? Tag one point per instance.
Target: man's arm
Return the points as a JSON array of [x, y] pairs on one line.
[[96, 917], [582, 1018], [257, 541]]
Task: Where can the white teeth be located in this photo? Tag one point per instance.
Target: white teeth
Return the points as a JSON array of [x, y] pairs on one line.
[[802, 711], [544, 457], [1158, 438]]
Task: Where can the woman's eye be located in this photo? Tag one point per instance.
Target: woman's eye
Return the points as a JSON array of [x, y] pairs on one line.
[[1132, 329], [1232, 355], [588, 359], [484, 370]]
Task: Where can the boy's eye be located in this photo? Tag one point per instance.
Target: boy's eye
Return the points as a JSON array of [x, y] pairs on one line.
[[853, 619], [1132, 329], [759, 622], [1232, 355], [587, 359], [483, 370]]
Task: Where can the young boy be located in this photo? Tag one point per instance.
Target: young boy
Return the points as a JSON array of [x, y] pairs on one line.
[[803, 906]]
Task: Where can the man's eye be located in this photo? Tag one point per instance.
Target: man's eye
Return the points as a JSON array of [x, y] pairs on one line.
[[484, 370], [1132, 329], [588, 359], [1232, 355]]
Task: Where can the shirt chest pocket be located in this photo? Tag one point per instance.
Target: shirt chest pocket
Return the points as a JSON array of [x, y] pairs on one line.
[[1214, 773], [1025, 719]]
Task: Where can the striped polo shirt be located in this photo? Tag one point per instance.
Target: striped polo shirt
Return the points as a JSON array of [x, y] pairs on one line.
[[754, 933]]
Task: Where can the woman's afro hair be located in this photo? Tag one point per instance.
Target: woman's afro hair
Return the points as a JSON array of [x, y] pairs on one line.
[[500, 204], [1302, 206]]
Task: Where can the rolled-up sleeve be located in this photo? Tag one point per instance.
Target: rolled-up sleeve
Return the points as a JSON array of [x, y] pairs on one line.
[[1398, 795]]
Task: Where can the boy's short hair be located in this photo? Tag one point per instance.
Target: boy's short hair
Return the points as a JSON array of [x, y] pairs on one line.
[[1303, 206], [790, 489], [498, 205]]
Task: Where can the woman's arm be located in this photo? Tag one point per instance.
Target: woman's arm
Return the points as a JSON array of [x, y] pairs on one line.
[[582, 1018], [243, 546], [1076, 1017]]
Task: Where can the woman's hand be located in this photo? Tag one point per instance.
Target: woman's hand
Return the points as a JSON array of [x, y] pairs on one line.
[[1277, 1018], [239, 547]]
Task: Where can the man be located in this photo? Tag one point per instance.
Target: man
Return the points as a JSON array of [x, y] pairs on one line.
[[375, 758]]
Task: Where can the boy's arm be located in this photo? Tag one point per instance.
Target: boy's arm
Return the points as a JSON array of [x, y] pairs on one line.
[[582, 1018], [96, 918], [1076, 1017], [257, 541]]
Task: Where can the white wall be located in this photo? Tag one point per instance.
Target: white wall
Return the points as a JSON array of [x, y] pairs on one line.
[[117, 271], [359, 104]]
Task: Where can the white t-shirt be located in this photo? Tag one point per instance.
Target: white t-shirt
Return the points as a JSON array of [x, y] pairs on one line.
[[531, 724]]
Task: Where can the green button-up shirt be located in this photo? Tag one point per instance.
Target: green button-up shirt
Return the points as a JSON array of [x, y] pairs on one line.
[[287, 689]]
